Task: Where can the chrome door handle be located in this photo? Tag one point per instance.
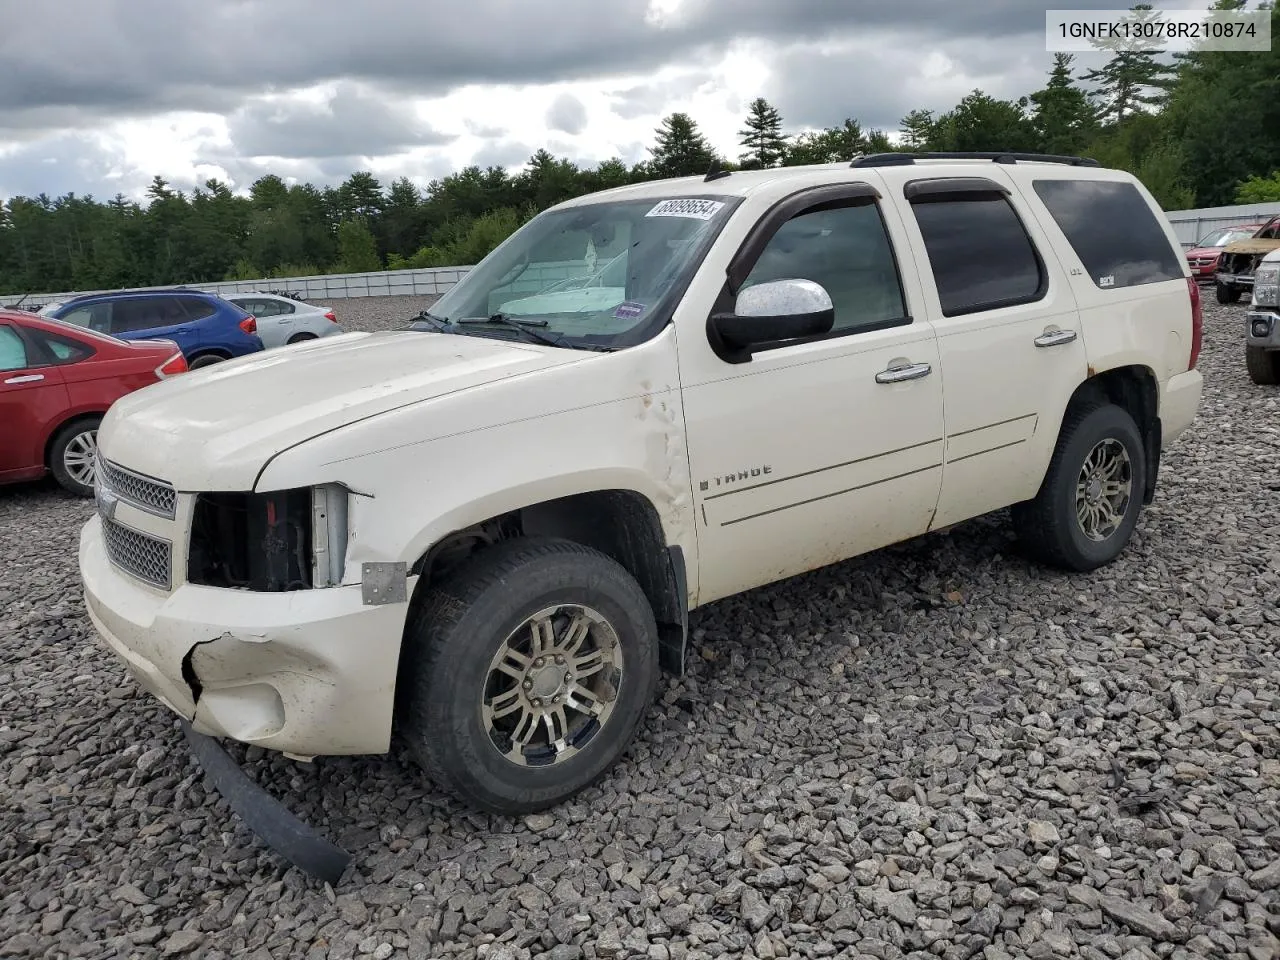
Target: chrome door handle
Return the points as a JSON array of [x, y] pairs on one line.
[[1055, 337], [910, 371], [32, 378]]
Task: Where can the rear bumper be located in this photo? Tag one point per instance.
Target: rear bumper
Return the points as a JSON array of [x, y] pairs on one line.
[[308, 673], [1178, 405]]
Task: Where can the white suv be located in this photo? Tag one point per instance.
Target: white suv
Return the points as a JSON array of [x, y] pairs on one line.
[[489, 529], [1262, 325]]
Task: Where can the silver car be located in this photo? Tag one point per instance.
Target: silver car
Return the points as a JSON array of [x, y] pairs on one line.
[[282, 320]]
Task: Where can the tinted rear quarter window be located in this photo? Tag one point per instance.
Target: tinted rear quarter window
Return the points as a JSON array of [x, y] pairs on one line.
[[981, 256], [1112, 230], [197, 308], [62, 349]]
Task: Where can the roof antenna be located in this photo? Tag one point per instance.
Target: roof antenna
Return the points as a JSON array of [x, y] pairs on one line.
[[714, 172]]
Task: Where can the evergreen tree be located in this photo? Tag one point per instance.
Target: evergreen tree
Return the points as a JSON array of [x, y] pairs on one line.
[[1061, 113], [762, 136], [1129, 81], [680, 150], [917, 129]]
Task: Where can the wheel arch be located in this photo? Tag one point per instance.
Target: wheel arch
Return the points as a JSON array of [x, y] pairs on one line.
[[209, 352], [78, 417], [1136, 389], [621, 523]]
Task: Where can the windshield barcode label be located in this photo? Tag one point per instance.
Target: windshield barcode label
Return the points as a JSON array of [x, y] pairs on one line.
[[695, 209]]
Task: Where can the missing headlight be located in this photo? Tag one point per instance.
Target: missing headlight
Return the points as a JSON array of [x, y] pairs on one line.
[[252, 541]]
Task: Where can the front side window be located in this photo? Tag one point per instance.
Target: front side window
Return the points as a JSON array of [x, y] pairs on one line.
[[846, 250], [600, 274], [1112, 230], [980, 254], [13, 352]]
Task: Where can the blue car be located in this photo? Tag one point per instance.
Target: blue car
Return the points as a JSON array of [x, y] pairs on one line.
[[205, 327]]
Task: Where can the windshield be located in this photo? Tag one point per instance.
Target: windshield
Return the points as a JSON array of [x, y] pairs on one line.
[[602, 274], [1220, 238]]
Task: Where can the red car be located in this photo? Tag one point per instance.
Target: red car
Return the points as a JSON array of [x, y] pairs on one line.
[[1203, 257], [56, 382]]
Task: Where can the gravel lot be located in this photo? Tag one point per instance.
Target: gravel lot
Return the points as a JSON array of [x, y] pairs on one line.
[[937, 750]]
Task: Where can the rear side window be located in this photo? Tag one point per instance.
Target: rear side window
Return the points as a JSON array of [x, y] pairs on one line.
[[94, 317], [1112, 230], [62, 349], [197, 308], [981, 256]]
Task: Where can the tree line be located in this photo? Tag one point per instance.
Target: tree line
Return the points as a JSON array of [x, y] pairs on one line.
[[1202, 130]]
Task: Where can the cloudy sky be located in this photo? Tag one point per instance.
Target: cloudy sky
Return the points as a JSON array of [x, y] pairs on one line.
[[98, 96]]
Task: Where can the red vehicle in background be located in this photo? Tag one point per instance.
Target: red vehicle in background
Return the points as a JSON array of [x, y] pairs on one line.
[[56, 382], [1203, 257]]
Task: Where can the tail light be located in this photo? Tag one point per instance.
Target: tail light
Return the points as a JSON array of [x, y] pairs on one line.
[[175, 364], [1197, 323], [330, 317], [249, 324]]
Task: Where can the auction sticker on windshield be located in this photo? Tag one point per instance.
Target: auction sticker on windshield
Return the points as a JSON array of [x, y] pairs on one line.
[[694, 209], [630, 310]]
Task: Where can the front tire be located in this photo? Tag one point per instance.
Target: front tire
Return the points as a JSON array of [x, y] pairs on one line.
[[527, 674], [206, 360], [1089, 502], [1226, 293], [71, 457], [1263, 365]]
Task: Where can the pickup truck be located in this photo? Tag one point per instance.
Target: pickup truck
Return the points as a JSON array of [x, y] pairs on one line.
[[1238, 261], [488, 532]]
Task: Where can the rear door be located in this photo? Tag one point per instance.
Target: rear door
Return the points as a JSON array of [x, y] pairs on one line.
[[1009, 337], [33, 399], [198, 312], [153, 318], [1125, 268]]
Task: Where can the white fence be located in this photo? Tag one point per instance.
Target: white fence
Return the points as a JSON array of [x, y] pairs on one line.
[[1191, 225], [339, 286]]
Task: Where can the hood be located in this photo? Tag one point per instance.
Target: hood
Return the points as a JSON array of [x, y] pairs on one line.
[[1252, 246], [214, 428], [1202, 252]]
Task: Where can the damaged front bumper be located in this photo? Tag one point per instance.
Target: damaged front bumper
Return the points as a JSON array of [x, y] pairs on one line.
[[306, 672]]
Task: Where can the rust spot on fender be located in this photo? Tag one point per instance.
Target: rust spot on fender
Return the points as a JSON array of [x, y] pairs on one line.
[[1091, 371]]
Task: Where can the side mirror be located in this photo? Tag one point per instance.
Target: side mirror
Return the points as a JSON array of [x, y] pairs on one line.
[[776, 310]]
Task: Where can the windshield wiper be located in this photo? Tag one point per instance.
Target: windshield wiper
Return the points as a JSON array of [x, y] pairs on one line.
[[433, 322], [526, 327]]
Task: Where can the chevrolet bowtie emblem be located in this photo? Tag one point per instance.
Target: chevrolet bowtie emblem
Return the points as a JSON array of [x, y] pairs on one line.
[[107, 502]]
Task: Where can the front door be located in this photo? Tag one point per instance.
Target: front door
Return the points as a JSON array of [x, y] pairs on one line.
[[33, 397], [811, 452]]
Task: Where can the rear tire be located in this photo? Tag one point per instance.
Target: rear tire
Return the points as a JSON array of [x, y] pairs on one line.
[[301, 337], [1226, 293], [1091, 497], [205, 360], [1263, 365], [72, 454], [474, 687]]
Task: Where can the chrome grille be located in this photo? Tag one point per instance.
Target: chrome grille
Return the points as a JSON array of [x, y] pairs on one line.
[[154, 496], [145, 557]]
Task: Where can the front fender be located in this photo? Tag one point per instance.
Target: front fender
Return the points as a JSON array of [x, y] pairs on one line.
[[613, 422]]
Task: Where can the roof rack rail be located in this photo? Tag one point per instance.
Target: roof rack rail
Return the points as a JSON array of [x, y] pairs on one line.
[[714, 172], [906, 159]]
